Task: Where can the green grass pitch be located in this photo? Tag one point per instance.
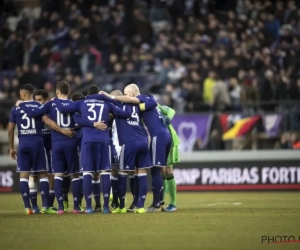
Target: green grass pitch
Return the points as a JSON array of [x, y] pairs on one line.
[[207, 221]]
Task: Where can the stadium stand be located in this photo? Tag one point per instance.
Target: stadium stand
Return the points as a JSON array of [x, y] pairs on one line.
[[243, 58]]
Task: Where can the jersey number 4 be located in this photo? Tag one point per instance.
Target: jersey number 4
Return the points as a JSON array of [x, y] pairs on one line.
[[92, 109], [135, 114]]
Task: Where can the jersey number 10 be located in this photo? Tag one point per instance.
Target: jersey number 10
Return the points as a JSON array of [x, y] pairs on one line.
[[60, 119]]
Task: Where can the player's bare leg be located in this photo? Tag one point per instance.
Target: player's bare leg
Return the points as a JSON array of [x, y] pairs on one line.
[[33, 193], [142, 184], [115, 187], [76, 190], [24, 187], [106, 186], [96, 191]]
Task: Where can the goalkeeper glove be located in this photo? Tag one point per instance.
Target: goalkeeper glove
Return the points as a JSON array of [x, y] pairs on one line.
[[166, 121]]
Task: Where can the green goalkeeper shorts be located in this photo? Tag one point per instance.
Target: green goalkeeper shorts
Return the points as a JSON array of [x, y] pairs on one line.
[[173, 156]]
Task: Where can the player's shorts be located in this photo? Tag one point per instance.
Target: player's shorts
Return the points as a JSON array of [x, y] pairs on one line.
[[48, 160], [65, 159], [135, 154], [95, 157], [173, 156], [114, 156], [160, 149], [32, 159]]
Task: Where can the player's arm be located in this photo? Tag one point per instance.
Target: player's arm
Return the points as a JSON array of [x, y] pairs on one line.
[[101, 97], [147, 102], [87, 123], [125, 99], [119, 112], [43, 109], [11, 136], [53, 125], [67, 108]]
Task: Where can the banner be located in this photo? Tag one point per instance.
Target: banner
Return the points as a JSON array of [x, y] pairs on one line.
[[271, 123], [212, 176], [9, 180], [238, 176], [190, 128]]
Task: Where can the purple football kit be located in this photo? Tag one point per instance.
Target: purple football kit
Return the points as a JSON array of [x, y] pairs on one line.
[[160, 136], [65, 157], [31, 151], [95, 143]]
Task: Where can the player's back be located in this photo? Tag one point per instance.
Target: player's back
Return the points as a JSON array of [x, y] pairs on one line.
[[95, 110], [130, 129], [65, 121], [153, 118], [29, 129]]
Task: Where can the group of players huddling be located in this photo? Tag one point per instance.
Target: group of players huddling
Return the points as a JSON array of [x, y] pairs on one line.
[[98, 139]]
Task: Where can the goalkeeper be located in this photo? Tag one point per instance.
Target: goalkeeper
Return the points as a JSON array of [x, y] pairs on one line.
[[169, 182]]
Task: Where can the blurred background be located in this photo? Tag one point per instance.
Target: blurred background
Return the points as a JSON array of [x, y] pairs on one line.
[[229, 68]]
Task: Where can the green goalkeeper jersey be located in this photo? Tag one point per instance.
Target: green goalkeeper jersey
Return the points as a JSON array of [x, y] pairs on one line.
[[169, 112]]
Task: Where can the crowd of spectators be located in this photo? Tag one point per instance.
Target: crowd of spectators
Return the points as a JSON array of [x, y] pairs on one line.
[[241, 55], [289, 141]]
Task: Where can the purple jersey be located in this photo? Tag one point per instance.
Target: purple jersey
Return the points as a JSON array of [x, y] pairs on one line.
[[78, 129], [93, 110], [29, 129], [131, 129], [65, 121], [47, 137], [152, 117]]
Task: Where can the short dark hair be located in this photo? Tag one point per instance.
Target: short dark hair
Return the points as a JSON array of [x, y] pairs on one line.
[[77, 97], [28, 87], [43, 93], [94, 89], [63, 87]]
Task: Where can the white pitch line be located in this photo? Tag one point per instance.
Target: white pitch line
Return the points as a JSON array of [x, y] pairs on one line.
[[221, 204], [8, 211]]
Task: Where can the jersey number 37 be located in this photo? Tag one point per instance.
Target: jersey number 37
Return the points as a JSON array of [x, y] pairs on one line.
[[96, 110]]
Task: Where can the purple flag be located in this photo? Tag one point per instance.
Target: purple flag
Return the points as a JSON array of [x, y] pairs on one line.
[[271, 123], [190, 128]]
